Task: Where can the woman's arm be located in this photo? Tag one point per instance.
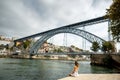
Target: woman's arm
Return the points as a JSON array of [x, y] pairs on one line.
[[73, 70]]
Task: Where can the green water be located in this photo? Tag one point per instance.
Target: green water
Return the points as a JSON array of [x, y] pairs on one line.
[[25, 69]]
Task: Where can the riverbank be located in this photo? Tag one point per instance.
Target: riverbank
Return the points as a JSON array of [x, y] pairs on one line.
[[94, 77], [51, 57], [5, 56]]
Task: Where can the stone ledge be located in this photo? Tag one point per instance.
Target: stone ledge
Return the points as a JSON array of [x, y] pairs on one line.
[[94, 77]]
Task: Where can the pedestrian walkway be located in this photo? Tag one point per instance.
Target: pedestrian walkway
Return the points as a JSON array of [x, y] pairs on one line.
[[94, 77]]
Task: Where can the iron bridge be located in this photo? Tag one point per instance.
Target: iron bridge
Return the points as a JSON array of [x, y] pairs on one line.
[[72, 28]]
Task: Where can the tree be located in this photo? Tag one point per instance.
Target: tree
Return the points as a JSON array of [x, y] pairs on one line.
[[95, 46], [113, 13], [7, 46], [107, 46], [2, 46], [72, 46], [26, 44], [58, 50]]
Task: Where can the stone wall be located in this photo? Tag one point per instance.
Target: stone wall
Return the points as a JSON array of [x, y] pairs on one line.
[[108, 60]]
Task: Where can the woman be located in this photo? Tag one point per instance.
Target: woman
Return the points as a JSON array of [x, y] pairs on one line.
[[75, 70]]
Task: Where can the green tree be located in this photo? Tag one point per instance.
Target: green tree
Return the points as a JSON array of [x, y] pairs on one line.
[[95, 46], [2, 46], [107, 46], [113, 13], [26, 44], [59, 50], [7, 46], [72, 46]]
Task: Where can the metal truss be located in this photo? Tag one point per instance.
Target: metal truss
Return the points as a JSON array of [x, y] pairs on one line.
[[84, 34], [75, 25]]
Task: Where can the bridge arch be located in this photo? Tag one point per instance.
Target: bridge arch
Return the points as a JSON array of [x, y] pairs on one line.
[[84, 34]]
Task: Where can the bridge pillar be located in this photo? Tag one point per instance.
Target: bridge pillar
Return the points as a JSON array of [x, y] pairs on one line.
[[65, 39], [83, 41], [109, 34]]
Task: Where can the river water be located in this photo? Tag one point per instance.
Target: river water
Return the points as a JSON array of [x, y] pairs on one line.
[[26, 69]]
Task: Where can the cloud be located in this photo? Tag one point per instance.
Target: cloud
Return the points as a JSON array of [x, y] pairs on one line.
[[21, 18]]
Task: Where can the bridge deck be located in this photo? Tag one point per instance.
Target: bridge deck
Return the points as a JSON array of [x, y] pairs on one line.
[[94, 77]]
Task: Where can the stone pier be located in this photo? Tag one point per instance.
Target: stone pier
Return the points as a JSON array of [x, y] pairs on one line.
[[109, 60]]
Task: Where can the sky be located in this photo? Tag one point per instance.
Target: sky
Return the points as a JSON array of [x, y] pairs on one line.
[[20, 18]]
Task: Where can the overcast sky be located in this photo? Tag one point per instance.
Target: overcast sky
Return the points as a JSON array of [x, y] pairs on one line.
[[19, 18]]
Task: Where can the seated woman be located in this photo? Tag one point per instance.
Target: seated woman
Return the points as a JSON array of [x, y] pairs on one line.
[[75, 70]]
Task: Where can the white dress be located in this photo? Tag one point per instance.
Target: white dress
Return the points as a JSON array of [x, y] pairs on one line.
[[75, 74]]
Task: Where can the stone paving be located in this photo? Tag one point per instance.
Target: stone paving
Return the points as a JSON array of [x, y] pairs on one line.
[[94, 77]]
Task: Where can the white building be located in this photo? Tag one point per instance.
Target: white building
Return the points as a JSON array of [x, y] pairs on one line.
[[3, 50], [4, 42]]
